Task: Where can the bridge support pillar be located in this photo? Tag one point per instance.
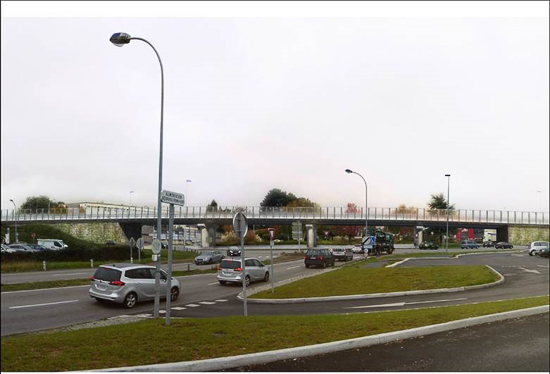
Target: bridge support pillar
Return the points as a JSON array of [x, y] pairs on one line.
[[208, 235], [419, 230], [131, 230], [311, 236], [502, 234]]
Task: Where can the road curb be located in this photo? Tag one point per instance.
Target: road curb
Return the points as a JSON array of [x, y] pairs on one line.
[[364, 296], [221, 363]]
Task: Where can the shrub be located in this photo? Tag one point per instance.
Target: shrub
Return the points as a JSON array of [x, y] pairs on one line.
[[118, 252]]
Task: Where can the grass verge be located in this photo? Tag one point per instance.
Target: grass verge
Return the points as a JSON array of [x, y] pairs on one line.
[[354, 279], [205, 338]]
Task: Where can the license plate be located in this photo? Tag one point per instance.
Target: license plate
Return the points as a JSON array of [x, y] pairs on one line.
[[99, 287], [312, 258]]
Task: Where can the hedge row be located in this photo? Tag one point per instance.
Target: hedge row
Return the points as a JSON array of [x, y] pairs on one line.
[[119, 252]]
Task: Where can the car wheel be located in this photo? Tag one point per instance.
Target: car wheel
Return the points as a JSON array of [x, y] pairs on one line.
[[174, 293], [130, 300], [531, 253], [222, 283], [307, 266], [324, 265], [266, 276], [247, 281]]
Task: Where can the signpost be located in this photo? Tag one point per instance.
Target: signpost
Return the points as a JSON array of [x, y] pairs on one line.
[[240, 226], [297, 232], [140, 244], [271, 231], [132, 243], [172, 198]]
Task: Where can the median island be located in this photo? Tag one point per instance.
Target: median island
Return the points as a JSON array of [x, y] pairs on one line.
[[358, 280]]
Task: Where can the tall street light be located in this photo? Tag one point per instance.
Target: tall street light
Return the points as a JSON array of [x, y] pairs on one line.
[[15, 220], [131, 192], [187, 181], [366, 199], [540, 200], [448, 205], [119, 39]]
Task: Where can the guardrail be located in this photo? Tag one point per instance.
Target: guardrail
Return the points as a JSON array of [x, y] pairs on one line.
[[295, 213]]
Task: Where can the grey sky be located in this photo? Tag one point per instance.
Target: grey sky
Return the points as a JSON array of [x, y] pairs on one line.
[[257, 103]]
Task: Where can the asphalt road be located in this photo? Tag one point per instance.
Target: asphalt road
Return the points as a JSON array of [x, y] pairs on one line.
[[517, 345]]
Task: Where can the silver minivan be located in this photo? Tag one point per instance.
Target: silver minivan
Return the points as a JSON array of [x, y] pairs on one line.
[[128, 284], [230, 270]]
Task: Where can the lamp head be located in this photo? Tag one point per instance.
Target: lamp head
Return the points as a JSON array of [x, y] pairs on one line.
[[120, 38], [447, 175], [349, 171], [11, 200]]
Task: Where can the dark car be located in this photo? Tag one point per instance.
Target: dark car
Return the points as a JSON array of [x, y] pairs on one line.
[[319, 257], [233, 251], [503, 245], [544, 252], [428, 245], [342, 254], [488, 244]]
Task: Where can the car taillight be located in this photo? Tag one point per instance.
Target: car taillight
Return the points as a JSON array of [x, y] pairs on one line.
[[321, 258], [239, 269], [305, 257], [219, 268], [117, 283]]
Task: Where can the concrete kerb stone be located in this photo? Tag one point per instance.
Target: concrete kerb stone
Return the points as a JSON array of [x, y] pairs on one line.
[[364, 296], [221, 363]]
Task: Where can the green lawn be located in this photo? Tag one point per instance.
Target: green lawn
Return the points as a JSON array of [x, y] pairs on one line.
[[150, 342], [354, 279]]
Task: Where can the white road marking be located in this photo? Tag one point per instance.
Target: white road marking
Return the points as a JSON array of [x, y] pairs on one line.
[[529, 270], [398, 263], [207, 302], [211, 284], [508, 275], [192, 305], [162, 311], [46, 289], [404, 303], [221, 301], [178, 308], [543, 266], [33, 305], [292, 267], [515, 255], [61, 275]]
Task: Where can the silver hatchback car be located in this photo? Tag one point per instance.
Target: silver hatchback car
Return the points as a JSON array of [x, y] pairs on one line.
[[230, 270], [128, 283]]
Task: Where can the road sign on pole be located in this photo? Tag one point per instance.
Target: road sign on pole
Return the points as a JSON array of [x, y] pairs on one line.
[[170, 197], [132, 242], [240, 226], [271, 233], [140, 244]]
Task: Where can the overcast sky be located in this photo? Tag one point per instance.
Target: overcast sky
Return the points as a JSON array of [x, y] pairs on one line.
[[254, 103]]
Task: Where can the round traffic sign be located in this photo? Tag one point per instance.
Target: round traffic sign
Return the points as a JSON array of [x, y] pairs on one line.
[[156, 246], [140, 243], [240, 225]]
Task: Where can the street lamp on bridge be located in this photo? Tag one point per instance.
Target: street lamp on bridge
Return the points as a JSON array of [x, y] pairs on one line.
[[15, 217], [119, 39], [448, 205], [366, 199]]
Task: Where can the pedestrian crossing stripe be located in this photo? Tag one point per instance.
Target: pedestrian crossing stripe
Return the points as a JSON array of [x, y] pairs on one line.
[[221, 301], [192, 305], [207, 302], [178, 308]]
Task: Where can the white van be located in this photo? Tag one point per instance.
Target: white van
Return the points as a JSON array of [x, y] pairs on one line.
[[53, 244]]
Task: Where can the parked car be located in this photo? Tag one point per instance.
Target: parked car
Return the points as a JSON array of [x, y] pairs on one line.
[[110, 243], [536, 247], [319, 257], [488, 244], [428, 245], [53, 244], [7, 249], [233, 251], [358, 248], [544, 252], [503, 245], [208, 257], [469, 244], [128, 284], [230, 270], [342, 254], [22, 247], [37, 247]]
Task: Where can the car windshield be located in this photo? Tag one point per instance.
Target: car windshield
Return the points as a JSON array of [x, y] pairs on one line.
[[207, 253], [230, 264], [314, 252], [107, 274]]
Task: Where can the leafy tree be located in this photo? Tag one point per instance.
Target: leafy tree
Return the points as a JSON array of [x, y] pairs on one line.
[[439, 202], [38, 202], [302, 202], [348, 231], [276, 197], [352, 208], [404, 209], [212, 207]]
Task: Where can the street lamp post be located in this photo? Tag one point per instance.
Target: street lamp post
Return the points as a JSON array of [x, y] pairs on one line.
[[119, 39], [15, 220], [187, 181], [448, 205], [366, 200], [131, 192]]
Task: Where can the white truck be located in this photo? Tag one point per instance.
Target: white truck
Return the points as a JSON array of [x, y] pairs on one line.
[[52, 244]]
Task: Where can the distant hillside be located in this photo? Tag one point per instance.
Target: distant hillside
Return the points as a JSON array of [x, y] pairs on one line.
[[46, 232]]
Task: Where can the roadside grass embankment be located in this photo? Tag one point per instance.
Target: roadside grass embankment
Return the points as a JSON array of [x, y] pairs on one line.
[[356, 280], [206, 338]]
